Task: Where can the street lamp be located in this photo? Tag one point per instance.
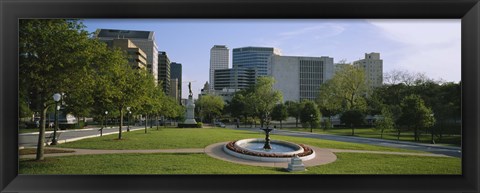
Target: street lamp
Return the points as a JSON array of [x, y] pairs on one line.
[[311, 123], [101, 130], [128, 121], [56, 98]]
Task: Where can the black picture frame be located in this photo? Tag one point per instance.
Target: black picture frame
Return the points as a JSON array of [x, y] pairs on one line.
[[466, 10]]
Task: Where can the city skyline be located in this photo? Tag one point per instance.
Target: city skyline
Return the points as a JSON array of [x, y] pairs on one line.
[[426, 46]]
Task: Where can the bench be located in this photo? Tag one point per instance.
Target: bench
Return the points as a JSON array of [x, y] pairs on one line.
[[49, 138]]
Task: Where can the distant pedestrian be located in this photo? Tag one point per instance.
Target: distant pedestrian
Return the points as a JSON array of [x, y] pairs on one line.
[[238, 123]]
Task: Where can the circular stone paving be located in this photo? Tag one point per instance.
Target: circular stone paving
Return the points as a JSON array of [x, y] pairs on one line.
[[323, 156]]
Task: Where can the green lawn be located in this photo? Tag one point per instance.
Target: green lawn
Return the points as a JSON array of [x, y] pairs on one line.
[[347, 163], [453, 140], [174, 138]]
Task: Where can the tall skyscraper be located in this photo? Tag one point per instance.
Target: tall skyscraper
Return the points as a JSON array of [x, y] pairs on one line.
[[218, 60], [145, 40], [164, 71], [176, 73], [373, 67], [174, 89], [253, 57], [299, 77]]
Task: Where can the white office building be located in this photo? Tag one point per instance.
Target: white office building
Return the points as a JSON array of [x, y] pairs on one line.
[[218, 60], [373, 67], [299, 77]]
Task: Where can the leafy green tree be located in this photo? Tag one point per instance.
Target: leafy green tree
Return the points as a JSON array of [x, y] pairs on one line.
[[310, 114], [294, 109], [55, 57], [346, 91], [264, 98], [237, 105], [415, 115], [279, 113], [210, 106], [352, 118], [386, 123]]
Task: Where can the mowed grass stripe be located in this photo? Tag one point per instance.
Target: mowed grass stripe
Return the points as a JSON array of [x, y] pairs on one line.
[[175, 138]]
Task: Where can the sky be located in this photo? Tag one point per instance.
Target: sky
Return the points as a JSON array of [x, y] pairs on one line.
[[432, 47]]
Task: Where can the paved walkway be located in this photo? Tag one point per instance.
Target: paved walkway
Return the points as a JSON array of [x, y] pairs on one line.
[[103, 151], [322, 155]]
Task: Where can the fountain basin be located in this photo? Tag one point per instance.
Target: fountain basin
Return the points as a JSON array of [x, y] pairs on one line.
[[282, 151]]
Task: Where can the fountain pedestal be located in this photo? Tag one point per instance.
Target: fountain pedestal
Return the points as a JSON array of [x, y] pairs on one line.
[[267, 138]]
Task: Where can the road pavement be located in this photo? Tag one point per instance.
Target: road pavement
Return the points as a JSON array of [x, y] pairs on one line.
[[31, 139], [432, 148]]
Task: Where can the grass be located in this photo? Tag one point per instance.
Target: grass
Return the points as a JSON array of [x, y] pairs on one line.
[[347, 163], [174, 138], [451, 140]]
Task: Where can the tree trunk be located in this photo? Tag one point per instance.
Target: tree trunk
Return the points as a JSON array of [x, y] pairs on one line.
[[120, 125], [245, 120], [381, 134], [296, 121], [41, 134], [146, 122], [262, 122], [157, 121], [353, 130]]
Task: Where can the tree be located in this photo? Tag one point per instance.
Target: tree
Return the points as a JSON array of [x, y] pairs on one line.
[[55, 57], [210, 106], [263, 98], [293, 110], [352, 118], [415, 114], [386, 123], [279, 113], [310, 115], [346, 90]]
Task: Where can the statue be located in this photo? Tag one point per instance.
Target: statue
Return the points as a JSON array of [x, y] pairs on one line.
[[190, 89]]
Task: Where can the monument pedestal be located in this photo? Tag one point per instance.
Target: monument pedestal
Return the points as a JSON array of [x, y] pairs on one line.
[[296, 164], [189, 115]]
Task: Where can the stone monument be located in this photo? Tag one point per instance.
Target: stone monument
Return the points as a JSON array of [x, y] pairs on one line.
[[296, 164], [190, 113]]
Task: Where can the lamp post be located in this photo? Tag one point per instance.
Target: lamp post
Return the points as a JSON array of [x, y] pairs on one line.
[[56, 98], [128, 121], [101, 130]]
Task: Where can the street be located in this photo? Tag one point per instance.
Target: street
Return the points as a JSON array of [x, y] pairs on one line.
[[31, 139], [432, 148]]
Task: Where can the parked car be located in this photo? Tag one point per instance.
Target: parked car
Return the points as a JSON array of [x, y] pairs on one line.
[[219, 124]]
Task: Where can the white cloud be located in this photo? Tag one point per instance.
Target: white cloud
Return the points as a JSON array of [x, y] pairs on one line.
[[324, 30], [430, 46], [307, 34]]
